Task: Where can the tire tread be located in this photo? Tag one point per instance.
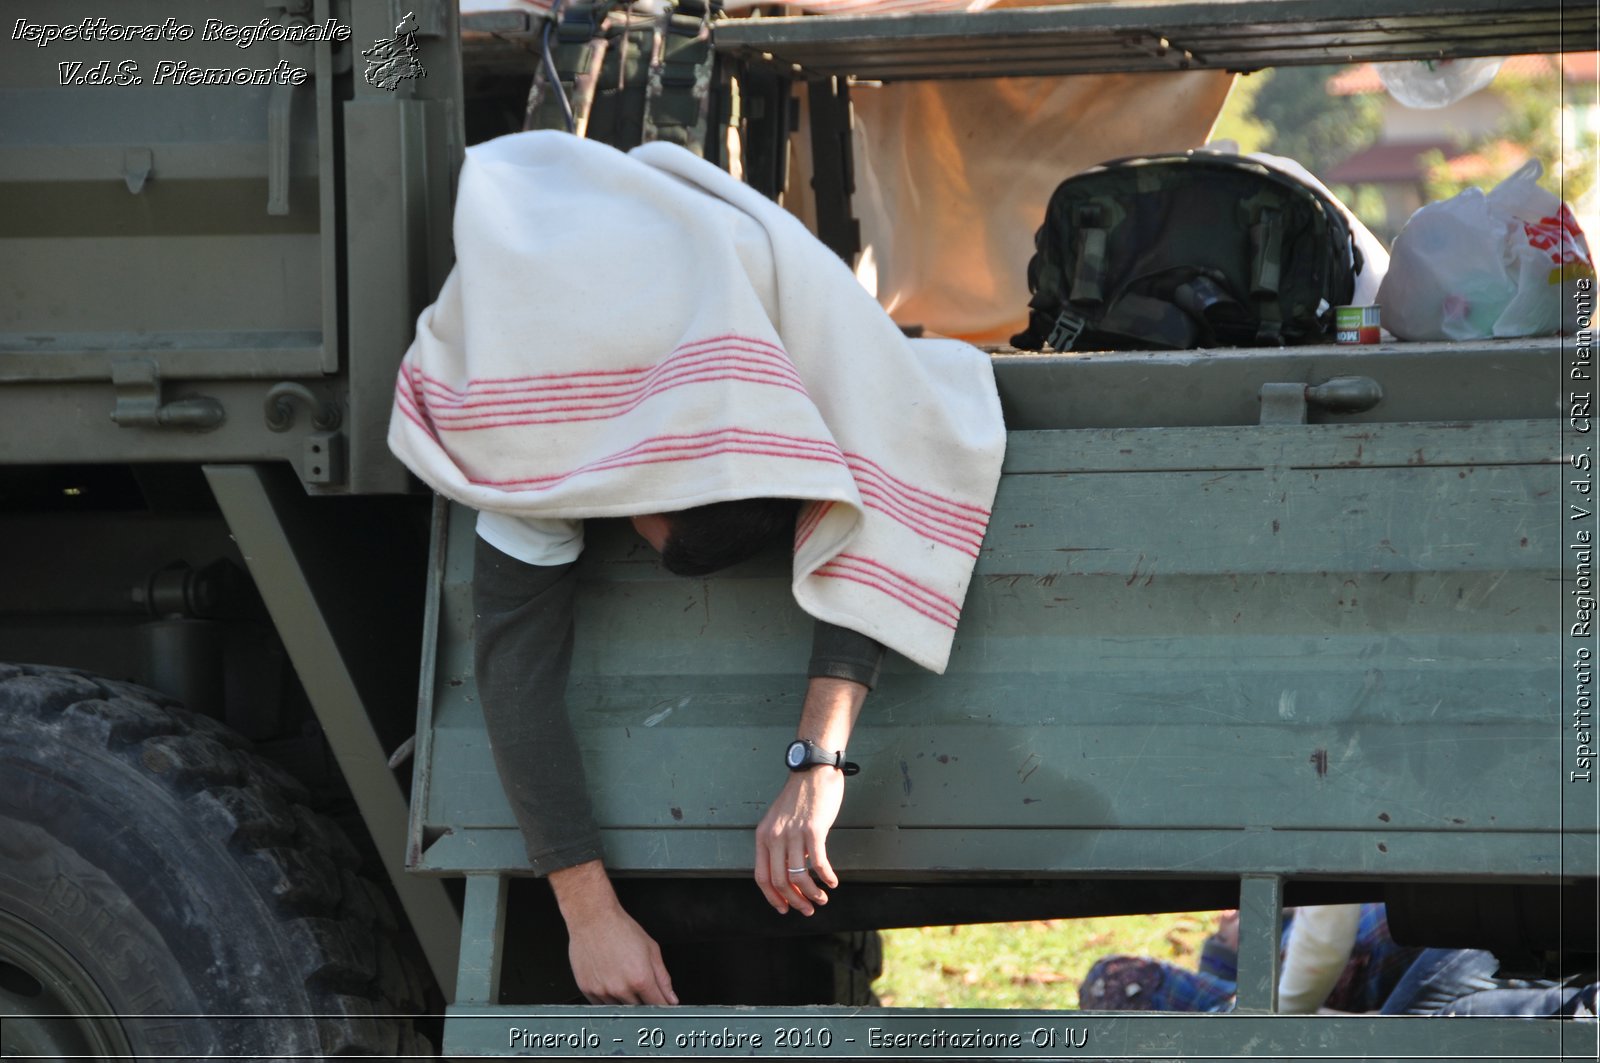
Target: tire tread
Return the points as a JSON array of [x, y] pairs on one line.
[[335, 921]]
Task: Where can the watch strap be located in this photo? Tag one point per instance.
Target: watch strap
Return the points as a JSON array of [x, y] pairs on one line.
[[817, 757]]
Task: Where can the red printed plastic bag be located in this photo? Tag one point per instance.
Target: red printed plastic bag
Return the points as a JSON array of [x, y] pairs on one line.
[[1477, 266]]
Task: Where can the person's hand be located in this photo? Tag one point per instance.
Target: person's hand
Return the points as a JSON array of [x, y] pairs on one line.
[[616, 962], [613, 960], [1227, 933], [794, 834]]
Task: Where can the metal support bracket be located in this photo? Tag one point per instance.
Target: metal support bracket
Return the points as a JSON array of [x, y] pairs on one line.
[[324, 459], [483, 928], [284, 540], [137, 382], [1260, 928]]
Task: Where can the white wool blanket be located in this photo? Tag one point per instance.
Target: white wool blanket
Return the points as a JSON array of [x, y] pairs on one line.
[[642, 333]]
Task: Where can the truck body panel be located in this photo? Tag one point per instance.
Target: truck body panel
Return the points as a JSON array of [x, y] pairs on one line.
[[1212, 654]]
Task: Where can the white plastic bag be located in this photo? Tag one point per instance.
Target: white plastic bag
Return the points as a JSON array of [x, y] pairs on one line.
[[1477, 266], [1433, 83]]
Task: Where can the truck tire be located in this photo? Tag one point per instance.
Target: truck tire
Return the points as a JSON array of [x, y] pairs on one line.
[[169, 891]]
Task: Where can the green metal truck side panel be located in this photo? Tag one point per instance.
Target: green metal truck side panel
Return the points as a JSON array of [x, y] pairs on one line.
[[1450, 382], [1270, 637], [222, 240], [154, 221], [1196, 649], [1258, 652]]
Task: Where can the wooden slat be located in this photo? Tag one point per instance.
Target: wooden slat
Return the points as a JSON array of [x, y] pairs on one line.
[[1280, 649], [1467, 444], [889, 855]]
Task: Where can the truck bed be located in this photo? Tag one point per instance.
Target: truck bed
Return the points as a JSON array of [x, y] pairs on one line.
[[1323, 650]]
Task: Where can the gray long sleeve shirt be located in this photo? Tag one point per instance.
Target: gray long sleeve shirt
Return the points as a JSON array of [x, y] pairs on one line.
[[523, 655]]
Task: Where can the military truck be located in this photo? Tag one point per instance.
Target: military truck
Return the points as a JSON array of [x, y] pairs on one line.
[[1250, 628]]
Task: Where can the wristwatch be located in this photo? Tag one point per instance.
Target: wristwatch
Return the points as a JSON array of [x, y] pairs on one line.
[[804, 754]]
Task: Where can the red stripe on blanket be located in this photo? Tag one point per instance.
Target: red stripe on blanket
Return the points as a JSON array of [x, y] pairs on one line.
[[943, 520], [453, 399], [687, 448], [867, 580], [977, 511], [808, 523], [508, 421], [872, 500], [408, 409], [602, 400], [822, 447], [580, 403], [690, 348], [712, 452], [953, 605]]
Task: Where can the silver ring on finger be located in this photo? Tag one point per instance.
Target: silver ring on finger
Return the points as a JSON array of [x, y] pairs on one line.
[[797, 870]]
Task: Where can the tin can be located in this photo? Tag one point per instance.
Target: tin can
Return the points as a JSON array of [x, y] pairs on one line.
[[1356, 324]]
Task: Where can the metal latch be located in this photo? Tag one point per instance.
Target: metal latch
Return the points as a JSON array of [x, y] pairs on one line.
[[137, 383], [1290, 403]]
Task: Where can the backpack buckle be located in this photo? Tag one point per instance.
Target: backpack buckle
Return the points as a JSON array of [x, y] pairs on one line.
[[1065, 332]]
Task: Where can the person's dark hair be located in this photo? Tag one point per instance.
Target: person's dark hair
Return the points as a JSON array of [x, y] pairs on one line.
[[709, 537]]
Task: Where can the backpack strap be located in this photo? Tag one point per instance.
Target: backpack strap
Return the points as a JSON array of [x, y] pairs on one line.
[[1269, 333], [1266, 273], [1089, 268], [654, 83], [1266, 247], [586, 78]]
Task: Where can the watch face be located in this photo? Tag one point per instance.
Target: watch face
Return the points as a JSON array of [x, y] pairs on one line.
[[796, 756]]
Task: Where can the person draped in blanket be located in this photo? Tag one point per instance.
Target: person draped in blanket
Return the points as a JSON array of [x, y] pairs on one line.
[[751, 389]]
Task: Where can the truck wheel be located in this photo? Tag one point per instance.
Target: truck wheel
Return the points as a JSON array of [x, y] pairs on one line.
[[166, 892]]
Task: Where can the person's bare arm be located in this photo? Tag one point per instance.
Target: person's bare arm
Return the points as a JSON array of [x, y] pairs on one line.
[[794, 832], [613, 959]]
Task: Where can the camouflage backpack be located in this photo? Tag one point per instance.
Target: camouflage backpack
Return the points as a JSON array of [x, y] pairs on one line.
[[1199, 249]]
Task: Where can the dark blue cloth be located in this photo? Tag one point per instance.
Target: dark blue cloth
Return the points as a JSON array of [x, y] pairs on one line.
[[1564, 1002], [1439, 976], [1463, 982], [1130, 983]]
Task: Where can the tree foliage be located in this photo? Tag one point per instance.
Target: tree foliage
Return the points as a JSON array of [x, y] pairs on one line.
[[1539, 123], [1305, 123]]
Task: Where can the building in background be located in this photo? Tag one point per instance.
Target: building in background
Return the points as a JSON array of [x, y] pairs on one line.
[[1537, 106]]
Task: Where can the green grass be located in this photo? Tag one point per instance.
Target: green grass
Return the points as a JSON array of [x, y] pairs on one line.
[[1036, 964]]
